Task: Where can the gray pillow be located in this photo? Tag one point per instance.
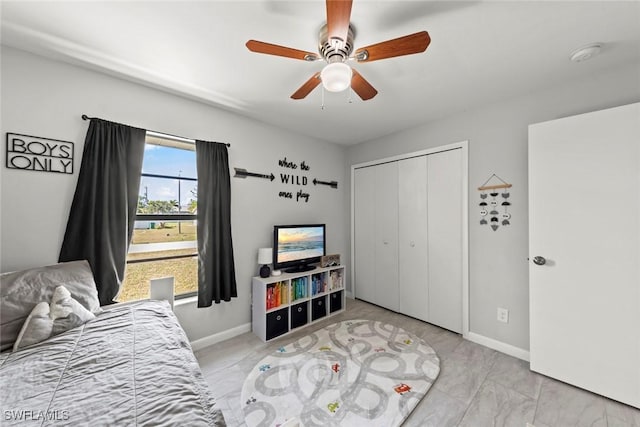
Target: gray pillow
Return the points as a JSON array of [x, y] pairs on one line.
[[20, 292]]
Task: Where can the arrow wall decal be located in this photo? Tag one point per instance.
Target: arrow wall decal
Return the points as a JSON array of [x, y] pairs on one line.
[[242, 173], [332, 184]]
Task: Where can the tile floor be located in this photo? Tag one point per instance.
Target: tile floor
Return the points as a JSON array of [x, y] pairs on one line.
[[477, 386]]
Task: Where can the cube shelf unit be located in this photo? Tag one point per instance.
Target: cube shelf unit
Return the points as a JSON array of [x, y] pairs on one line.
[[285, 303]]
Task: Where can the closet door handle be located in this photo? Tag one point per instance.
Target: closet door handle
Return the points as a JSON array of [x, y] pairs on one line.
[[412, 244], [539, 260]]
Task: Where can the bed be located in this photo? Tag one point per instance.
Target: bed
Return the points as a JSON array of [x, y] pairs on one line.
[[130, 365]]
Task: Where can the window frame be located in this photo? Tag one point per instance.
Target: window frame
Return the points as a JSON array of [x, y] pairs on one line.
[[168, 216]]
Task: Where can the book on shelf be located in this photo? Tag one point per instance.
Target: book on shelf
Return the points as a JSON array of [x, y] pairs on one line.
[[336, 279], [283, 292], [276, 295], [298, 288], [318, 286]]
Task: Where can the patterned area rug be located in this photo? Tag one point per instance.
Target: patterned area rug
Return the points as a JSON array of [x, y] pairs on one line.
[[352, 373]]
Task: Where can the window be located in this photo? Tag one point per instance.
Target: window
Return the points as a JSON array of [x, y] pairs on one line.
[[164, 236]]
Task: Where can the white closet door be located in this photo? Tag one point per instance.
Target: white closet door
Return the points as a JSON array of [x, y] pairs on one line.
[[444, 211], [364, 232], [385, 261], [413, 238]]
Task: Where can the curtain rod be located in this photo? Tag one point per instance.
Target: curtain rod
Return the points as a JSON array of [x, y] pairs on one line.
[[175, 137]]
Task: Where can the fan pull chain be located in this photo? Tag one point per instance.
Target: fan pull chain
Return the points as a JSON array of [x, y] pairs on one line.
[[349, 95], [322, 106]]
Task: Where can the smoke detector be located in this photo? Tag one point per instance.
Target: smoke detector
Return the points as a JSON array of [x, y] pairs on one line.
[[586, 52]]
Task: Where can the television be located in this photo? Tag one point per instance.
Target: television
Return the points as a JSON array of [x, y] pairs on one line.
[[296, 247]]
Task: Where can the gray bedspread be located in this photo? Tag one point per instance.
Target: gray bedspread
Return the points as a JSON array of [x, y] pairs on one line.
[[131, 366]]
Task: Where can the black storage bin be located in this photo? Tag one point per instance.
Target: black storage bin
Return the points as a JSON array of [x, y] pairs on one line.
[[299, 314], [335, 301], [277, 323], [318, 308]]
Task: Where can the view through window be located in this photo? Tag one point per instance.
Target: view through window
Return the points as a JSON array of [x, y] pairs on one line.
[[164, 237]]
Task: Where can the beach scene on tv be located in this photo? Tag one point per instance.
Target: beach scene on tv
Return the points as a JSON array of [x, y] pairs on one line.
[[300, 243]]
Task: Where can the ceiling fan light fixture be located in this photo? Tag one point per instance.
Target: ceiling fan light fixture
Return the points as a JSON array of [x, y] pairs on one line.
[[336, 77]]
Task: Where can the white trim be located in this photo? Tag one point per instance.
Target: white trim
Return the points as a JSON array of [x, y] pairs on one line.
[[452, 146], [220, 336], [466, 321], [500, 346], [348, 294], [464, 146], [353, 235], [185, 301]]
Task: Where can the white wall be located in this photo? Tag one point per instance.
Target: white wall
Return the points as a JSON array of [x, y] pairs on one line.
[[497, 137], [46, 98]]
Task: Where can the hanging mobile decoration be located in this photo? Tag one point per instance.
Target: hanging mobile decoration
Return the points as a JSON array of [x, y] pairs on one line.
[[506, 216], [490, 207], [483, 211]]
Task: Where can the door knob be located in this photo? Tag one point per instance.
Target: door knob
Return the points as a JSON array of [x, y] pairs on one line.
[[539, 260]]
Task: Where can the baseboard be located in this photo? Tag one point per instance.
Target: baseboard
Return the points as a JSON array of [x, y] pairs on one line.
[[220, 336], [499, 346], [348, 294]]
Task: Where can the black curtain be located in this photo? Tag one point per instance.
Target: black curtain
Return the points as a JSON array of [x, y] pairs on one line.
[[104, 206], [216, 269]]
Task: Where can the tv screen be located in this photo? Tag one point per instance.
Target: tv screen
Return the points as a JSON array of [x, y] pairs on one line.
[[298, 246]]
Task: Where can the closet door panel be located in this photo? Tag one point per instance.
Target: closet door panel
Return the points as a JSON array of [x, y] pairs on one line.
[[364, 232], [413, 238], [385, 261], [444, 188]]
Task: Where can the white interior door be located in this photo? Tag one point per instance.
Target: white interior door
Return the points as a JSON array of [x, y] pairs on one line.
[[385, 262], [584, 221], [412, 241], [445, 229], [364, 233]]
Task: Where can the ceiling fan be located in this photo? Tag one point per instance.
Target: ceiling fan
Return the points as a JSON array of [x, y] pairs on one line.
[[335, 46]]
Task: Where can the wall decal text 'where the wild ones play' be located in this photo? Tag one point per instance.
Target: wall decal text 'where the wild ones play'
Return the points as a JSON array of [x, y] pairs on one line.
[[34, 153], [294, 180]]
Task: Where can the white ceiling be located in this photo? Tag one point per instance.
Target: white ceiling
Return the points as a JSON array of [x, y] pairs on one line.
[[481, 52]]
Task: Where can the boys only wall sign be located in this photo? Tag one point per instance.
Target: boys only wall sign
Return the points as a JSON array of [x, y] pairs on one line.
[[34, 153]]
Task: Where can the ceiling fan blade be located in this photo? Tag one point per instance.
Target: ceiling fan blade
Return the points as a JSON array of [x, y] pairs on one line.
[[274, 49], [407, 45], [362, 87], [338, 17], [307, 87]]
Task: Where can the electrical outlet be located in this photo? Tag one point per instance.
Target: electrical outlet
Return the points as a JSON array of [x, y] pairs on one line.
[[503, 315]]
